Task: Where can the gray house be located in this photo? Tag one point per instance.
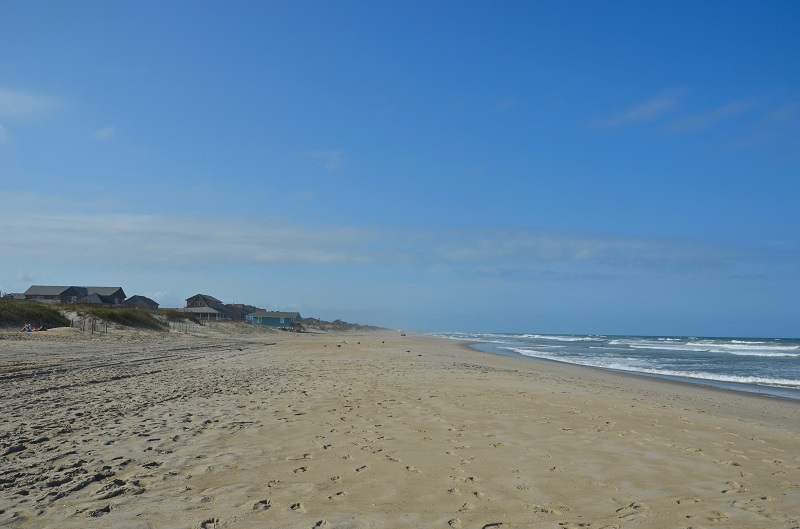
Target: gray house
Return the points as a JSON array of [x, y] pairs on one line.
[[141, 302], [113, 296], [274, 319]]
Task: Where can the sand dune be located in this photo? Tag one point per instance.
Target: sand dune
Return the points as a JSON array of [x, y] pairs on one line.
[[256, 429]]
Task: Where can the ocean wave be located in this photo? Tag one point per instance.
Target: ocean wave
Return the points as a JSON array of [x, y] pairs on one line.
[[627, 367], [560, 338], [735, 349], [761, 381]]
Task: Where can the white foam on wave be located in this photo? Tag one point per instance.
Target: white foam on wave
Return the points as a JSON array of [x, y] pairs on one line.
[[729, 348], [559, 338], [699, 375], [761, 381], [756, 348]]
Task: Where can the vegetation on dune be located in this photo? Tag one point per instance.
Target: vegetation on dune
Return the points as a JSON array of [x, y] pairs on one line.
[[16, 313], [122, 316], [177, 315]]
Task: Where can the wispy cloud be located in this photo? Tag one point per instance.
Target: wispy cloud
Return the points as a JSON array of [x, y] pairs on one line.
[[649, 110], [104, 134], [786, 112], [331, 159], [158, 239], [703, 120], [16, 104]]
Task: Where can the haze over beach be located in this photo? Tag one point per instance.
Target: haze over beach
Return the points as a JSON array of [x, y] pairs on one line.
[[611, 168]]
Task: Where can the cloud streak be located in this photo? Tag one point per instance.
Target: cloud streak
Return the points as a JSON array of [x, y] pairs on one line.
[[104, 134], [704, 120], [650, 110], [15, 104], [204, 240]]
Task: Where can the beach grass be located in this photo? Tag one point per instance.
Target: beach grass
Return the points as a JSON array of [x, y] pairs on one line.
[[16, 313]]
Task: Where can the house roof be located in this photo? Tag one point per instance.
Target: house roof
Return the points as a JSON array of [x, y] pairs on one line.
[[48, 290], [137, 298], [202, 310], [103, 291], [45, 290], [97, 299], [205, 296], [274, 314]]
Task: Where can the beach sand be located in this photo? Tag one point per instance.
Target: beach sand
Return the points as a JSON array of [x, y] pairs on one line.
[[240, 427]]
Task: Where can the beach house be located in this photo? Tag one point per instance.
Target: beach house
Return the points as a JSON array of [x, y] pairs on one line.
[[274, 319], [113, 296], [141, 302], [205, 307]]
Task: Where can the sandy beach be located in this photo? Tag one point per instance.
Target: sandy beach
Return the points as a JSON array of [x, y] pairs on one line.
[[241, 427]]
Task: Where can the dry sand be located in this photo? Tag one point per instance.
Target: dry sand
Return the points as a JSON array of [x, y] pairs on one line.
[[249, 428]]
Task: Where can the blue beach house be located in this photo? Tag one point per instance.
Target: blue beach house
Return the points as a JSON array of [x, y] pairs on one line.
[[278, 320]]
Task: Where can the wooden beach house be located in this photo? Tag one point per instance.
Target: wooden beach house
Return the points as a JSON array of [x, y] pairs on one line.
[[205, 307]]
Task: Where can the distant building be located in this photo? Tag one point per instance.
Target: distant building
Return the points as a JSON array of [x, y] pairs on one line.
[[113, 296], [239, 311], [275, 319], [205, 307], [141, 302]]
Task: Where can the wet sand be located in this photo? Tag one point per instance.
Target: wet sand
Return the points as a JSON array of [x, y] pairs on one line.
[[238, 427]]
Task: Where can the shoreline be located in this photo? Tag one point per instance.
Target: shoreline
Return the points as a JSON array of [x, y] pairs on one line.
[[772, 392], [238, 428], [498, 349], [673, 384]]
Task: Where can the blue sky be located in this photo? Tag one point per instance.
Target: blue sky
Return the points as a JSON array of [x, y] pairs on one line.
[[586, 167]]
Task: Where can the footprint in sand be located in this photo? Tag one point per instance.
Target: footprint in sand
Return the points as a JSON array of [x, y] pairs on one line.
[[100, 512], [211, 523], [297, 507], [733, 486], [262, 505], [630, 510], [362, 468]]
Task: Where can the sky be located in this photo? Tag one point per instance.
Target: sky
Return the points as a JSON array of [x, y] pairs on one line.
[[616, 167]]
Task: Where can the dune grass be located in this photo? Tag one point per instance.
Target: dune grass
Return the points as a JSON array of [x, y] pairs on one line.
[[16, 313]]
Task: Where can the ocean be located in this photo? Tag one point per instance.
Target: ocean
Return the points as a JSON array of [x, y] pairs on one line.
[[767, 366]]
